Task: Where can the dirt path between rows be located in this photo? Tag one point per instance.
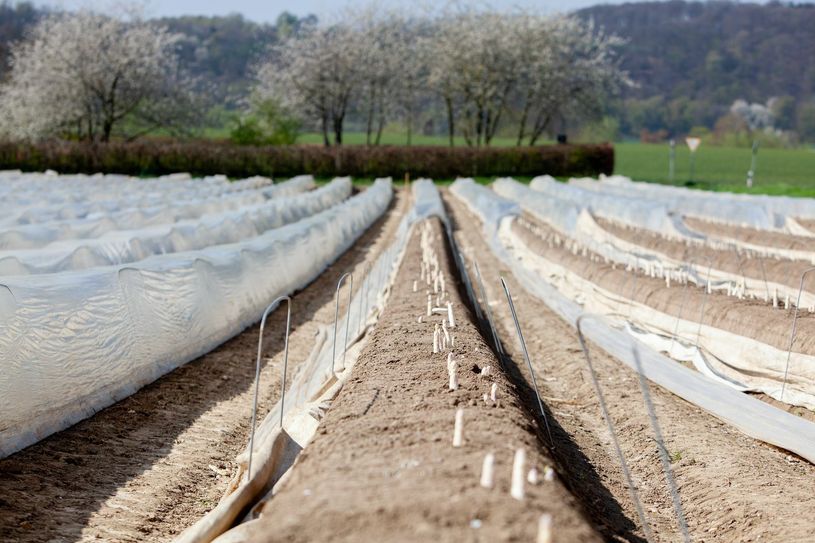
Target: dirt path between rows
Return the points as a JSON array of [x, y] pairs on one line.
[[781, 271], [151, 465], [766, 238], [382, 466], [733, 488]]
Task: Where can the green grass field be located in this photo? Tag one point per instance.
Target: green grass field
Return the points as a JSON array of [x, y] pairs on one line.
[[778, 171]]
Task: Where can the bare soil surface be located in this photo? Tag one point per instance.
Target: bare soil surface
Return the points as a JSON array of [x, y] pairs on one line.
[[151, 465], [733, 488], [781, 271], [809, 224], [382, 466], [749, 318], [751, 235]]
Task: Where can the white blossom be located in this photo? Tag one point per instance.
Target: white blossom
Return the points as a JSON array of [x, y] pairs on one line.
[[81, 74]]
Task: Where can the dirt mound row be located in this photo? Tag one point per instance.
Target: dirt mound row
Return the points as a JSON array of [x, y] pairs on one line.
[[785, 272], [766, 238], [151, 465], [749, 318], [383, 467], [733, 488]]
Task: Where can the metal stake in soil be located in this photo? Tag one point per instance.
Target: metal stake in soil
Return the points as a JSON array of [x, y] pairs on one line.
[[646, 528], [363, 296], [336, 315], [691, 264], [272, 306], [740, 262], [792, 332], [663, 451], [633, 287], [526, 356], [764, 275], [468, 285], [498, 348], [704, 301]]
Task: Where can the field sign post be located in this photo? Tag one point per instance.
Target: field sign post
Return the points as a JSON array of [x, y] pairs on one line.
[[693, 145], [672, 160], [751, 175]]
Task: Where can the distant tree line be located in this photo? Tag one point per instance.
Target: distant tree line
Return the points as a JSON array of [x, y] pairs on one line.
[[690, 63], [91, 76], [474, 72]]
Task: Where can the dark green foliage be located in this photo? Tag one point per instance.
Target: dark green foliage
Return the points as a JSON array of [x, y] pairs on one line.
[[716, 52], [691, 60], [15, 20], [157, 158], [268, 124]]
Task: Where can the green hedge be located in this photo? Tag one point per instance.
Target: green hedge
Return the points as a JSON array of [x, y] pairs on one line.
[[208, 158]]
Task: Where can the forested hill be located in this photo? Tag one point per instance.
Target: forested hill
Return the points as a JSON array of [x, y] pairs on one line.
[[689, 60], [715, 52]]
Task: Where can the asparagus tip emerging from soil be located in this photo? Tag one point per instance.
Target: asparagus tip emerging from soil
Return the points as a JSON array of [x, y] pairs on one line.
[[488, 471], [545, 528], [518, 475], [452, 368], [458, 430], [532, 477]]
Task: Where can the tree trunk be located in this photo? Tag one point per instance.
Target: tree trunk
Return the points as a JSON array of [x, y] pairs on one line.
[[370, 120], [380, 128], [522, 124], [107, 128], [337, 131], [479, 125], [324, 124], [450, 120], [409, 123], [540, 126]]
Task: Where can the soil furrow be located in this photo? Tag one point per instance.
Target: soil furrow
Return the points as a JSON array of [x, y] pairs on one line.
[[149, 466], [750, 318], [781, 271], [733, 488], [751, 235], [382, 465]]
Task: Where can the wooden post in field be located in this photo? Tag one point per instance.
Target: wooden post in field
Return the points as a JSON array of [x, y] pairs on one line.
[[671, 161]]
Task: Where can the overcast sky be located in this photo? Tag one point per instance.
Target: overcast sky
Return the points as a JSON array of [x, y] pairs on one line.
[[268, 10]]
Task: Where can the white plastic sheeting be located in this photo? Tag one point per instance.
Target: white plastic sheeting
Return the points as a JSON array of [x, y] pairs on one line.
[[124, 246], [774, 206], [366, 303], [733, 359], [74, 342], [751, 416], [577, 223], [315, 384], [569, 219], [27, 189], [694, 204], [171, 209], [486, 203], [66, 200], [639, 212]]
